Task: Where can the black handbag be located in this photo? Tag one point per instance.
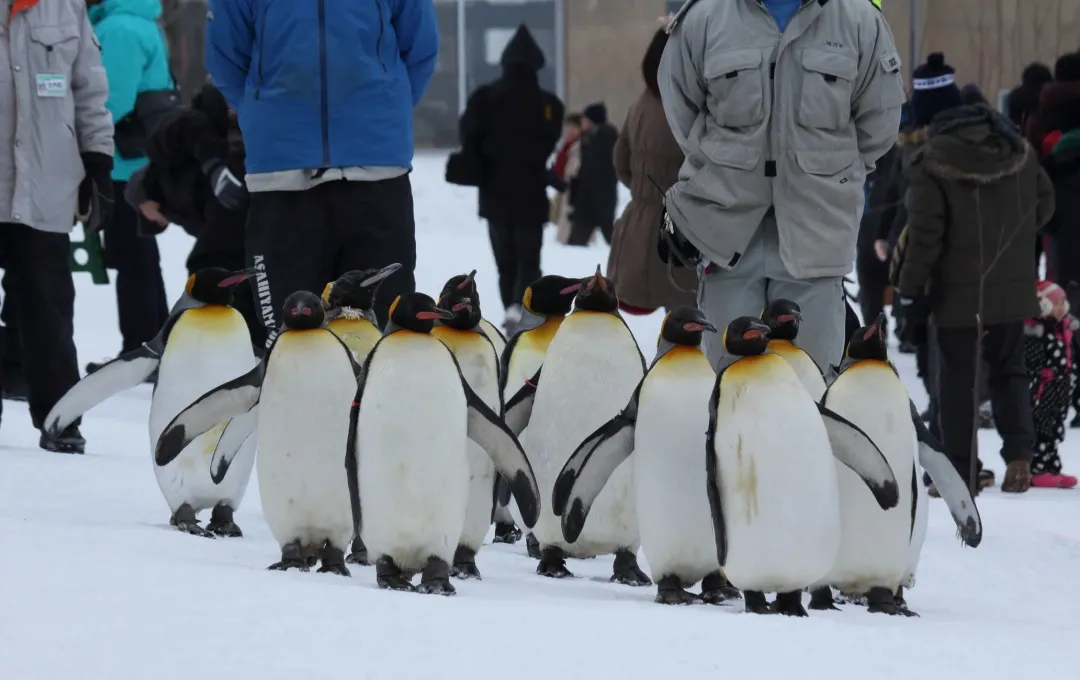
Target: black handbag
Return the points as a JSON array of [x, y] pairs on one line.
[[131, 134], [465, 168]]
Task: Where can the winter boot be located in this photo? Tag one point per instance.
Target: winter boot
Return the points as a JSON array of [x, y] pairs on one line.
[[1017, 477], [70, 440], [512, 322], [1049, 481]]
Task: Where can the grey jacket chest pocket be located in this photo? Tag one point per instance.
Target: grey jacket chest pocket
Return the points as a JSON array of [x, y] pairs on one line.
[[54, 49], [736, 91], [827, 82]]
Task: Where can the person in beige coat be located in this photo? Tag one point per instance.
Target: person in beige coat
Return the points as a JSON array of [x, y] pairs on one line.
[[647, 160]]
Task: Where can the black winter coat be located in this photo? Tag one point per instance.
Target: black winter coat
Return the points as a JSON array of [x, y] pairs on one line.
[[594, 192], [514, 125], [881, 208], [1063, 168]]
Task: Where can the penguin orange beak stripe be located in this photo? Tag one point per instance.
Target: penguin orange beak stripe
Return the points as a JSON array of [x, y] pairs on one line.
[[237, 278], [461, 306], [752, 334], [786, 318], [571, 290], [692, 326], [428, 316], [870, 331], [464, 285]]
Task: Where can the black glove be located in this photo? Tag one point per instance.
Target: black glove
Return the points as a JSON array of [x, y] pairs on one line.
[[673, 246], [914, 319], [228, 190], [95, 208]]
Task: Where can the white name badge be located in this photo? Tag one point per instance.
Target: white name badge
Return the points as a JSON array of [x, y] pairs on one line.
[[51, 85]]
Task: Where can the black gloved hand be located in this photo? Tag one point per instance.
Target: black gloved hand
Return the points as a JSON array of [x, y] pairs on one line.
[[915, 319], [228, 190], [673, 246], [95, 207]]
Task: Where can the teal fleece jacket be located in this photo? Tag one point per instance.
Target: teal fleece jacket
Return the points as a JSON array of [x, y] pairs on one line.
[[136, 59]]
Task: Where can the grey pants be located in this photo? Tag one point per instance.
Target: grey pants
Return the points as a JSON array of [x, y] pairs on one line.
[[760, 278]]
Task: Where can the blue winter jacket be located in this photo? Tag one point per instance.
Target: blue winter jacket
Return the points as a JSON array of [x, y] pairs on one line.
[[323, 83], [136, 59]]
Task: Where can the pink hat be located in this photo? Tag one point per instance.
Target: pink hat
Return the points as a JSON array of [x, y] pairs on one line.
[[1050, 294]]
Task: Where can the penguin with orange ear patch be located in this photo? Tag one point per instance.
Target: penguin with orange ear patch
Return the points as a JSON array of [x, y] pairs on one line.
[[349, 303], [783, 318]]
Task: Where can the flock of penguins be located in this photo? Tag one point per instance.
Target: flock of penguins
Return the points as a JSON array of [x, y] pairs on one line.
[[770, 476]]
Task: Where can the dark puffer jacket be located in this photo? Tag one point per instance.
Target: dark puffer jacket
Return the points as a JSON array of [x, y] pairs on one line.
[[1063, 167], [976, 198]]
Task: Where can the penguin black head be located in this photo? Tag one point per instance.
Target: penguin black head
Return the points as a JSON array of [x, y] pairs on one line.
[[597, 294], [551, 295], [356, 289], [869, 342], [783, 318], [214, 285], [460, 297], [746, 336], [303, 311], [416, 312], [684, 326]]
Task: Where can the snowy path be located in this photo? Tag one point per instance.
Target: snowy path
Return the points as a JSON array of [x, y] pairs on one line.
[[93, 584]]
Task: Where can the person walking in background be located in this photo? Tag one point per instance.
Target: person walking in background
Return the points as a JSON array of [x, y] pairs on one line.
[[976, 198], [185, 29], [52, 107], [1022, 101], [1048, 354], [780, 122], [136, 62], [594, 190], [325, 101], [514, 124], [646, 153], [871, 249], [565, 168]]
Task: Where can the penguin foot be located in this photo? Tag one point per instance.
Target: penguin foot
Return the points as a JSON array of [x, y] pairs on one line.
[[389, 577], [532, 546], [899, 597], [882, 601], [222, 524], [553, 563], [435, 580], [669, 590], [359, 553], [292, 557], [755, 602], [465, 564], [333, 561], [789, 604], [847, 598], [626, 570], [506, 533], [311, 554], [184, 520], [716, 589], [821, 599]]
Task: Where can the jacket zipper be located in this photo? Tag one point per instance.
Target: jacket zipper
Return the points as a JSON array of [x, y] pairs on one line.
[[262, 40], [324, 97], [378, 40]]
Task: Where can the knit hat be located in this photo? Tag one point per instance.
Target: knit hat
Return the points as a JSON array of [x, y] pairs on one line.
[[597, 113], [1050, 294], [933, 89], [1067, 68]]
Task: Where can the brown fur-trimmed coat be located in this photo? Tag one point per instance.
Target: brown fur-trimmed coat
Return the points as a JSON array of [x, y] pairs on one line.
[[976, 197]]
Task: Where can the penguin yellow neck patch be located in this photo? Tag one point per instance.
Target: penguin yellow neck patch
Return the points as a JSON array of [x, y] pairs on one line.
[[393, 306], [190, 284], [326, 292], [526, 299], [541, 336]]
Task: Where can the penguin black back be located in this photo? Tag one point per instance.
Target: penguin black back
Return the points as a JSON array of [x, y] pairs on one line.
[[215, 285], [551, 295], [356, 289], [303, 311], [685, 326], [746, 336], [415, 312], [783, 318], [460, 297], [869, 342], [597, 294]]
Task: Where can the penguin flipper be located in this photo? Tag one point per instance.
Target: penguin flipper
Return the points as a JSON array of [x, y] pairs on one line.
[[712, 476], [948, 482], [518, 410], [590, 467], [488, 430], [122, 373], [852, 447], [232, 439], [226, 401]]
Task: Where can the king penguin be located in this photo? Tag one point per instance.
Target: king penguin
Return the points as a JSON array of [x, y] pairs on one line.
[[303, 389], [590, 372], [770, 477], [783, 318], [203, 341], [349, 301], [407, 458], [479, 364], [873, 559], [663, 426]]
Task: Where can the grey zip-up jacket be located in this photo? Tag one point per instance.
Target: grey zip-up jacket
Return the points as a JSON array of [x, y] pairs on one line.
[[52, 108], [790, 122]]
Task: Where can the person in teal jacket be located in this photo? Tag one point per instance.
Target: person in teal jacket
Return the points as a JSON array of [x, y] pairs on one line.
[[136, 59]]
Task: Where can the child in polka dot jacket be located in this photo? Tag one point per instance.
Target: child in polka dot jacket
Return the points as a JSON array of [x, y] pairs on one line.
[[1048, 354]]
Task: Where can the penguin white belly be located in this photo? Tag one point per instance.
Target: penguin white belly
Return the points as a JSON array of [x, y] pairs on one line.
[[672, 504], [874, 542], [304, 410], [480, 368], [528, 355], [918, 533], [808, 372], [412, 461], [590, 372], [777, 479], [206, 347]]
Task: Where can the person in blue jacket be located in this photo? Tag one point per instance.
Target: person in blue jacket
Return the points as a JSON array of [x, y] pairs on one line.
[[325, 91], [136, 60]]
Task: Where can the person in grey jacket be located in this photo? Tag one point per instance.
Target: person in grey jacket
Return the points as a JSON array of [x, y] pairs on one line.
[[782, 108], [55, 160]]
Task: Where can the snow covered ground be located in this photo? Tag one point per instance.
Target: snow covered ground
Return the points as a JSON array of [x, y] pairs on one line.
[[94, 584]]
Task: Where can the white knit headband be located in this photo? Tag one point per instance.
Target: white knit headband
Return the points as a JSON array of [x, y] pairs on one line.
[[933, 83]]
